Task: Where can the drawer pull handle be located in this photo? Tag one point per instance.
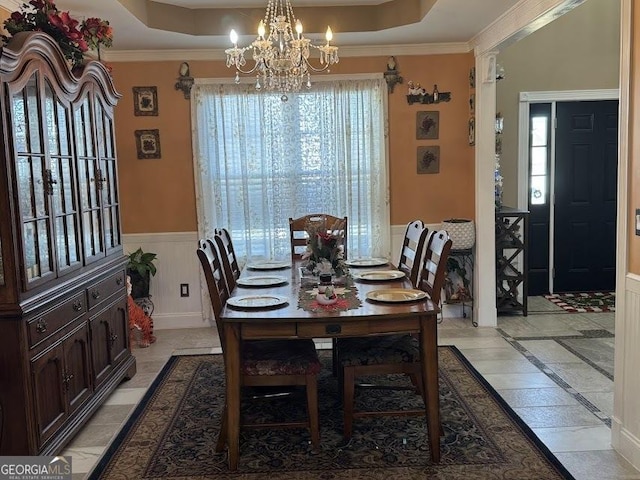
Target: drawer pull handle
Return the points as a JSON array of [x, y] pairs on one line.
[[41, 326], [333, 329], [95, 294], [113, 338], [119, 281], [77, 305]]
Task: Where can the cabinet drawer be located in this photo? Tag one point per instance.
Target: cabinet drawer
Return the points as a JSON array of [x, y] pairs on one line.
[[101, 291], [282, 330], [333, 329], [44, 325]]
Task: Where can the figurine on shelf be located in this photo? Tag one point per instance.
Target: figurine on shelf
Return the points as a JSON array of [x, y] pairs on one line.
[[415, 88]]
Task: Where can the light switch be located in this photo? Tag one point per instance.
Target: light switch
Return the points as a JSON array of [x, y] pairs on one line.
[[184, 289]]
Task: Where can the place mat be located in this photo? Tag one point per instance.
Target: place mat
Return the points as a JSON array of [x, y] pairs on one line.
[[347, 300], [584, 302]]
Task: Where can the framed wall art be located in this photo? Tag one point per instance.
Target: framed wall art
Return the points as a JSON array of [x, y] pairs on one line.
[[148, 143], [472, 77], [472, 104], [428, 159], [145, 101], [427, 125]]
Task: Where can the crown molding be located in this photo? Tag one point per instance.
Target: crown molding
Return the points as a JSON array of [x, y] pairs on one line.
[[218, 54], [522, 19]]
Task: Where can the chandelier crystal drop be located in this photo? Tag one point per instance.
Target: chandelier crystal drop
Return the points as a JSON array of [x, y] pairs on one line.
[[281, 55]]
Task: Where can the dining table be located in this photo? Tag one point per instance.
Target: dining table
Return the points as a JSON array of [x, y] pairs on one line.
[[275, 300]]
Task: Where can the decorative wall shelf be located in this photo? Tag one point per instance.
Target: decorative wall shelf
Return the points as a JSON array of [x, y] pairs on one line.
[[427, 98]]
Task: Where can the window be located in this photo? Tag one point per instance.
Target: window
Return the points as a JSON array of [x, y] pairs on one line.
[[539, 155], [261, 160]]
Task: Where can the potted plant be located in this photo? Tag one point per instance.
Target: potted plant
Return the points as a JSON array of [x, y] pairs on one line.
[[140, 268]]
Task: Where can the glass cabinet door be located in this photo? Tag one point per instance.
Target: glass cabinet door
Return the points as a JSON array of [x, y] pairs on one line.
[[90, 182], [107, 162], [65, 209], [36, 183]]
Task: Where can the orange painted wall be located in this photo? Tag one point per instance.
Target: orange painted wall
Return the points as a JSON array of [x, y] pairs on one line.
[[634, 141], [158, 195]]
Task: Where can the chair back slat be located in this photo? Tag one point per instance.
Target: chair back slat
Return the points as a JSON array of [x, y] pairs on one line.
[[225, 260], [229, 251], [299, 235], [216, 283], [412, 250], [435, 265]]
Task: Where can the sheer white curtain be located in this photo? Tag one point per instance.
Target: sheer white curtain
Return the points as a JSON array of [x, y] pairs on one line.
[[259, 160]]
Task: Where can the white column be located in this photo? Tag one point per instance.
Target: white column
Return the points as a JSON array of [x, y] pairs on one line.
[[485, 268]]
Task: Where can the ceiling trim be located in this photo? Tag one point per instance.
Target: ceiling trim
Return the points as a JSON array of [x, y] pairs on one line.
[[524, 18], [218, 21], [355, 51]]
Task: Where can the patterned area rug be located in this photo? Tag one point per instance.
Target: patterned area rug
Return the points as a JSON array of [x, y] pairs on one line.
[[584, 302], [172, 434]]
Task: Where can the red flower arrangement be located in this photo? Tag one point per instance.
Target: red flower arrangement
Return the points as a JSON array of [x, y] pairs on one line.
[[324, 250], [73, 37]]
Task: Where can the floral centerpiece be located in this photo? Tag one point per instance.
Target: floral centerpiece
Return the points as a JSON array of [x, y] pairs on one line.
[[325, 251], [74, 37]]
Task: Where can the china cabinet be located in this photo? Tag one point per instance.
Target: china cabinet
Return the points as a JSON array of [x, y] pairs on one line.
[[63, 312]]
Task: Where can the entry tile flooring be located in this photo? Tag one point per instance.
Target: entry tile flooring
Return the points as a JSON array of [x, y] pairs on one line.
[[555, 369]]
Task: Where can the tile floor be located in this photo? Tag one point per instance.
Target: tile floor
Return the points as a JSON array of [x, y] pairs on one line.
[[554, 368]]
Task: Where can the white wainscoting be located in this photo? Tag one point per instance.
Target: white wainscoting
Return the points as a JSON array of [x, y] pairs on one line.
[[625, 425], [177, 263]]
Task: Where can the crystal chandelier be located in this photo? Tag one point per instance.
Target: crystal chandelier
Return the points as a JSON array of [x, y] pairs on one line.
[[281, 56]]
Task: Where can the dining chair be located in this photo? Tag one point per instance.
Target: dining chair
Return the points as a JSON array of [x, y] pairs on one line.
[[264, 363], [227, 257], [392, 354], [412, 249], [299, 235]]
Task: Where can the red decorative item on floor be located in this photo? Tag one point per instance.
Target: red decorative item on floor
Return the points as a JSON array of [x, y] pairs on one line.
[[139, 321]]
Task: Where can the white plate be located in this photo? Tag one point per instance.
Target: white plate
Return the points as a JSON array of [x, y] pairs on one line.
[[367, 262], [257, 301], [262, 281], [379, 275], [396, 295], [268, 265]]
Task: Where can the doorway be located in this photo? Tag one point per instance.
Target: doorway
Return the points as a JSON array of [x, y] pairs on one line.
[[570, 184]]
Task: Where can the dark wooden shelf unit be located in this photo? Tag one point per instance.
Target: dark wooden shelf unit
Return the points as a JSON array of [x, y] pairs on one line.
[[64, 334], [511, 260]]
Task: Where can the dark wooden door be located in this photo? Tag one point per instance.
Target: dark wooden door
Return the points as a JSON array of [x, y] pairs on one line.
[[585, 196]]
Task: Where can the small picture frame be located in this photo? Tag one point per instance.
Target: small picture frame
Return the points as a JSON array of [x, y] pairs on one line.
[[472, 131], [148, 143], [428, 159], [427, 125], [472, 77], [145, 101], [472, 104]]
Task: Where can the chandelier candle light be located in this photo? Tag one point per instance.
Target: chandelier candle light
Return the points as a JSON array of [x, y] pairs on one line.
[[281, 55]]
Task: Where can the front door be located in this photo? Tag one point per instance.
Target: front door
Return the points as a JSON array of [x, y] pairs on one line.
[[585, 196]]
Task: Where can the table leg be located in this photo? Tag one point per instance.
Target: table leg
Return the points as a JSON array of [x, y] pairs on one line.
[[429, 358], [232, 371]]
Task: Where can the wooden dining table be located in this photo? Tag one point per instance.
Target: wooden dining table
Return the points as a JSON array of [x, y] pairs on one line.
[[289, 321]]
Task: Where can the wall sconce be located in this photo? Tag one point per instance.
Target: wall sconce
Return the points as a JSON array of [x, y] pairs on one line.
[[391, 75], [185, 80]]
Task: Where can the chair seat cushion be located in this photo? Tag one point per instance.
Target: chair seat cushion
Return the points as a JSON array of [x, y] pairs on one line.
[[381, 350], [279, 357]]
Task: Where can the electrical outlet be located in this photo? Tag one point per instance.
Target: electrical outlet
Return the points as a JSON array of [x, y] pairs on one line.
[[184, 289]]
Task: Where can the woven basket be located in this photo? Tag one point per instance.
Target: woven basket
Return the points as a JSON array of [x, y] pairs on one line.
[[461, 231]]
